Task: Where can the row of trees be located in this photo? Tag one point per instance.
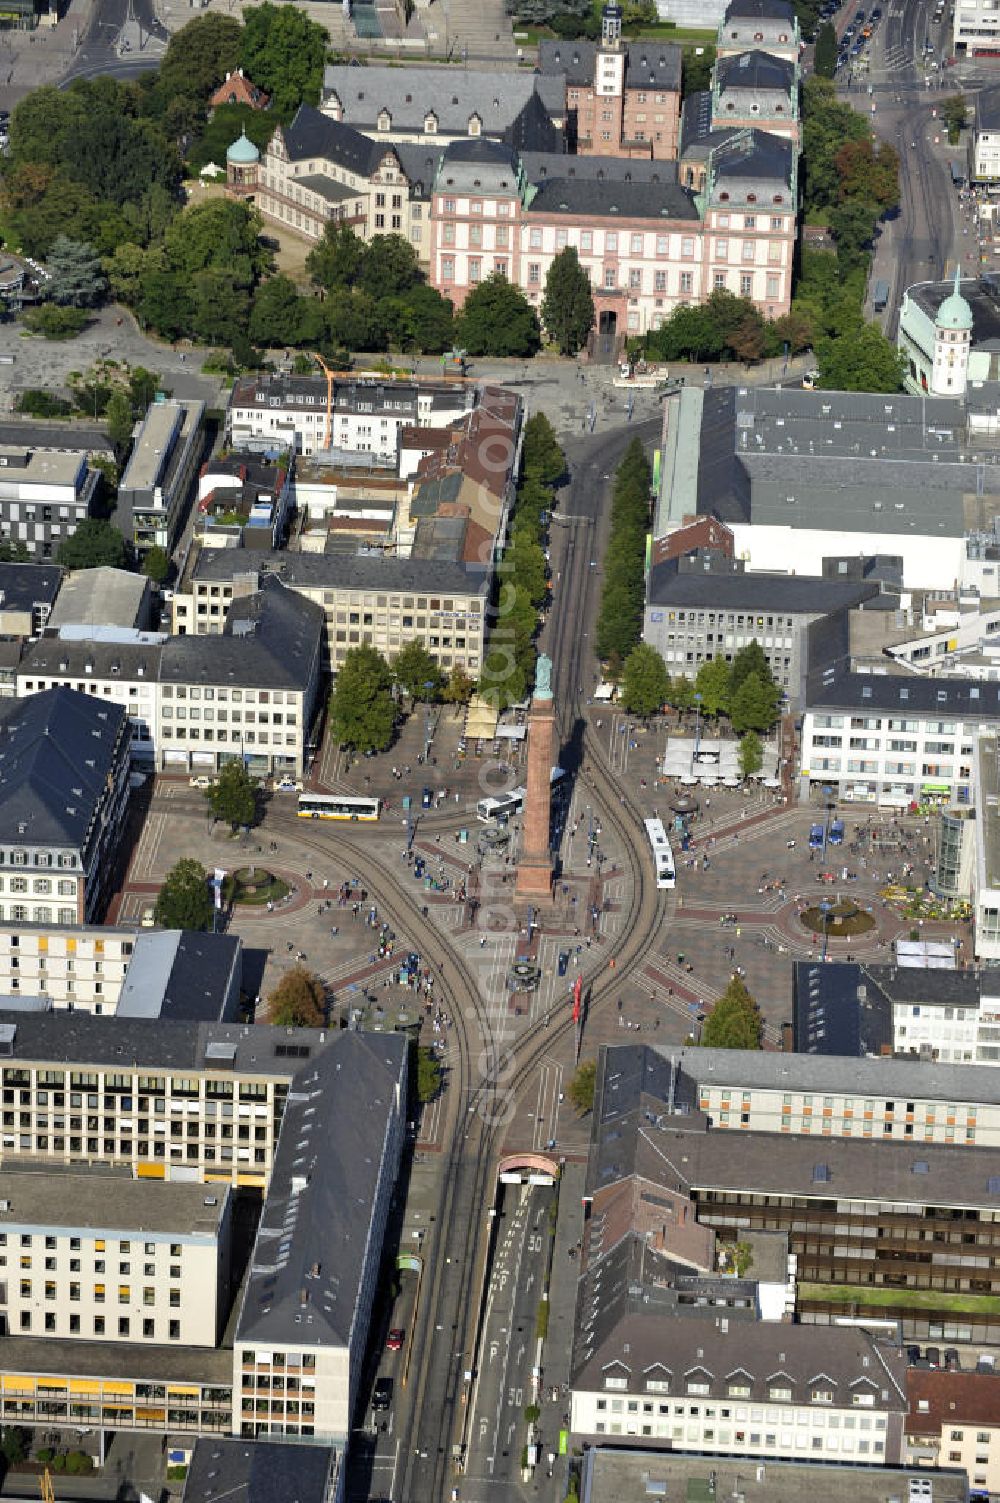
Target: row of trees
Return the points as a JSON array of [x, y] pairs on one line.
[[619, 623], [727, 327], [365, 702], [850, 181], [743, 690], [523, 574]]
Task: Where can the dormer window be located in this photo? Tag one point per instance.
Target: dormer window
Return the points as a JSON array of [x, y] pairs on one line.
[[758, 36], [751, 198], [475, 126], [384, 120], [430, 123], [780, 1392]]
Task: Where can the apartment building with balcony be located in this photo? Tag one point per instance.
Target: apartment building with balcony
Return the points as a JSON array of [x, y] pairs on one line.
[[157, 480], [953, 1420], [28, 593], [100, 1257], [354, 415], [45, 493], [64, 761]]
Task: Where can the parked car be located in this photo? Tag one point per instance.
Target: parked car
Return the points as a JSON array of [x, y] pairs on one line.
[[382, 1394], [200, 780], [148, 917], [395, 1339], [933, 1355], [288, 785], [563, 962]]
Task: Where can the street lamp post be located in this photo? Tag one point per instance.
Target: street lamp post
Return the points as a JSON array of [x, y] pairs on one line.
[[697, 724]]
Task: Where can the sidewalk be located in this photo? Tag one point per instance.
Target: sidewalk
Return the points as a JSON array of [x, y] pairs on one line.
[[558, 1348]]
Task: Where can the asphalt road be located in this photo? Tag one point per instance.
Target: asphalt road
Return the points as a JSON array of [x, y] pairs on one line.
[[924, 239], [497, 1426], [445, 1328], [124, 39]]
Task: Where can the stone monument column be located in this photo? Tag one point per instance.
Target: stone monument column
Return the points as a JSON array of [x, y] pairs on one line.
[[534, 866]]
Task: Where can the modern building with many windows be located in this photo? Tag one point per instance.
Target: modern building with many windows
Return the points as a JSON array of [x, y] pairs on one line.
[[886, 1220], [704, 605], [44, 496], [892, 738], [387, 601], [313, 1120], [111, 1258], [250, 693]]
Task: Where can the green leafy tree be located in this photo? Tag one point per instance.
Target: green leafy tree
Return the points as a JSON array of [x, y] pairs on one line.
[[38, 403], [119, 418], [233, 795], [362, 709], [156, 565], [955, 113], [209, 142], [414, 669], [825, 59], [696, 70], [735, 1021], [646, 682], [337, 260], [184, 901], [681, 694], [298, 1001], [76, 278], [750, 659], [751, 754], [14, 1444], [418, 319], [541, 457], [568, 304], [14, 552], [389, 267], [199, 56], [753, 706], [93, 544], [458, 689], [713, 684], [497, 319], [284, 53], [277, 315], [53, 322], [861, 361], [582, 1086], [429, 1075]]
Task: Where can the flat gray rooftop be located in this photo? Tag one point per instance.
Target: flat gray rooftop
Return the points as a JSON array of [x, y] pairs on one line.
[[112, 1203], [989, 775], [117, 1360], [620, 1476], [152, 449]]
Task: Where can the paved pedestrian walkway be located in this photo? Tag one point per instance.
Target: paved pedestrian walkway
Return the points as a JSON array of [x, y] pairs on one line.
[[558, 1347]]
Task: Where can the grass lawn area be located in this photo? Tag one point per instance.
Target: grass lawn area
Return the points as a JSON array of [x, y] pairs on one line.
[[913, 1299]]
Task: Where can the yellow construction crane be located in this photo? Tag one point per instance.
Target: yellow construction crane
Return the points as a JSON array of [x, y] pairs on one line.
[[328, 373], [45, 1483]]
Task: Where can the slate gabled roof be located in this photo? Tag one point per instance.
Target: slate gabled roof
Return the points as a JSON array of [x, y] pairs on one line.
[[309, 1256], [57, 749], [755, 70], [313, 134]]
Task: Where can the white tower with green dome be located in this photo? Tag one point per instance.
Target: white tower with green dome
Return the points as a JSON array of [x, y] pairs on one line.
[[952, 344]]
